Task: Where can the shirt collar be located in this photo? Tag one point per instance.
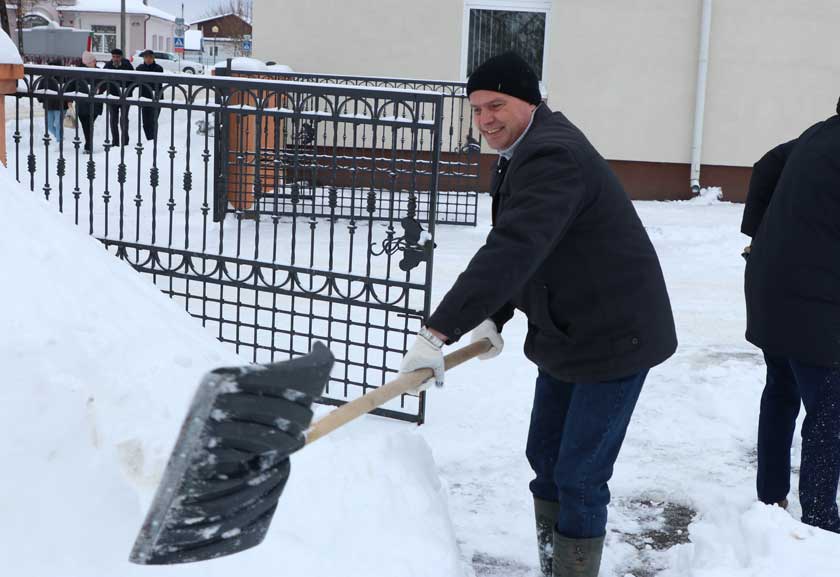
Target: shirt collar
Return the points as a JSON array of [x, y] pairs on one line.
[[508, 152]]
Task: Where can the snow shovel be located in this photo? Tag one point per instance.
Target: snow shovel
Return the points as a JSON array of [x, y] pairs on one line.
[[230, 462]]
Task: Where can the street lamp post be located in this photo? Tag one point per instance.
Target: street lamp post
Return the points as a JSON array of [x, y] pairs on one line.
[[215, 31]]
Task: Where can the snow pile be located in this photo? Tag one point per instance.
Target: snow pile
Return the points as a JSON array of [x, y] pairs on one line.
[[280, 68], [244, 64], [8, 51], [708, 195], [98, 369], [761, 541]]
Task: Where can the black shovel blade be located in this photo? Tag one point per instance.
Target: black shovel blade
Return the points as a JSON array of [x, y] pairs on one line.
[[231, 460]]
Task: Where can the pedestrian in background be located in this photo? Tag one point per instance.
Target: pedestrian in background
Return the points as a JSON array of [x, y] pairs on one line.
[[54, 105], [151, 90], [118, 113], [86, 109]]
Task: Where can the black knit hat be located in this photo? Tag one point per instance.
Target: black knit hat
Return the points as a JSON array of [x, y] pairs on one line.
[[116, 52], [509, 74]]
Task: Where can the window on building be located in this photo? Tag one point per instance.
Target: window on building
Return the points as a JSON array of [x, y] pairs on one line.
[[104, 38], [154, 42], [496, 26], [168, 44]]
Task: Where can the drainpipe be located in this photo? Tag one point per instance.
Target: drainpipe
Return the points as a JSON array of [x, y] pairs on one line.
[[700, 99]]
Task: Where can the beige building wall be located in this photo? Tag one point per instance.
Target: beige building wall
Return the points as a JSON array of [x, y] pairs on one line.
[[624, 71], [774, 71], [362, 37]]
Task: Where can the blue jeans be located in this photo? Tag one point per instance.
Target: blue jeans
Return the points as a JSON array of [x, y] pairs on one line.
[[575, 435], [818, 388], [55, 118]]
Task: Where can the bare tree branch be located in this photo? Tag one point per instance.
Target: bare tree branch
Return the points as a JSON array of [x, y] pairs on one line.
[[242, 8]]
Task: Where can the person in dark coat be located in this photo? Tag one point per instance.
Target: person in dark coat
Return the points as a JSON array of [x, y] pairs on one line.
[[151, 90], [86, 109], [792, 289], [54, 105], [118, 113], [567, 249], [763, 181]]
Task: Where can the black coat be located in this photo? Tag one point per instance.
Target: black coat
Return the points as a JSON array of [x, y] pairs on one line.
[[569, 250], [84, 107], [114, 88], [148, 89], [50, 101], [792, 282], [765, 176]]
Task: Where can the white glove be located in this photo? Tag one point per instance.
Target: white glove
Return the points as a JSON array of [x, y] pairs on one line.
[[424, 354], [487, 330]]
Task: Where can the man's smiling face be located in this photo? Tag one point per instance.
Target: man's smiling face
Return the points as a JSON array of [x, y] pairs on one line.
[[501, 118]]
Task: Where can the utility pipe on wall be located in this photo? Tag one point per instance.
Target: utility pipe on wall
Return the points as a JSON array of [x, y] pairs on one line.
[[700, 97]]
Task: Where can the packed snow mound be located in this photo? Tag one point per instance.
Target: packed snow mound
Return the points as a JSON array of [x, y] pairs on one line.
[[98, 370], [8, 51], [761, 541], [708, 195]]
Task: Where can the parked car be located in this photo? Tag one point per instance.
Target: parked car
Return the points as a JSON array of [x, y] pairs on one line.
[[171, 63]]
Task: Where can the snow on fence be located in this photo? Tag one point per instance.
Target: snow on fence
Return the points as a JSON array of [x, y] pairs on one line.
[[273, 240]]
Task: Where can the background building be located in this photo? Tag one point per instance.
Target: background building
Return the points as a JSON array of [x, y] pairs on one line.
[[625, 72], [224, 36], [146, 26]]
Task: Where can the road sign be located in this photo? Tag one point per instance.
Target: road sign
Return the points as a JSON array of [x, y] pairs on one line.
[[179, 44], [179, 27], [246, 46]]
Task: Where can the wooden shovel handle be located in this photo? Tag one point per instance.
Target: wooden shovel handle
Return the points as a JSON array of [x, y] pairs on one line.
[[402, 384]]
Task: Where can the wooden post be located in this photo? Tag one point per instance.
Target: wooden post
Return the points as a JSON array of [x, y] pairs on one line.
[[9, 75], [244, 142]]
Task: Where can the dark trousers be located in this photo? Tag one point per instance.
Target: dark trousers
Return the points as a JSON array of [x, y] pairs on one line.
[[818, 388], [118, 120], [575, 436], [87, 129], [150, 119]]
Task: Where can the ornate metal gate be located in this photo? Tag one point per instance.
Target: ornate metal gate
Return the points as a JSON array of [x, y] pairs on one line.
[[184, 201]]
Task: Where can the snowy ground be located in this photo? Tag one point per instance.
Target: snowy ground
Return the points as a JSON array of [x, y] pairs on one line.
[[90, 406]]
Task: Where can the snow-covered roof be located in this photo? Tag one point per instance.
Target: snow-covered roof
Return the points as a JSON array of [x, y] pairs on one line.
[[8, 51], [113, 6], [217, 16]]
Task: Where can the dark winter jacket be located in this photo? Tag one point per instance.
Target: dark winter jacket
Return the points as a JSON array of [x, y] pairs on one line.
[[114, 87], [148, 89], [792, 280], [568, 250], [765, 176], [84, 107], [50, 101]]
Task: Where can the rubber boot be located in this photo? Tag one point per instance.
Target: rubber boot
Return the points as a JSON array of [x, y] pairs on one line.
[[545, 513], [577, 557]]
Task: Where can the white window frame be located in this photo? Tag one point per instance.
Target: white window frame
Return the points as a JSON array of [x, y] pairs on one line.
[[102, 36], [543, 6]]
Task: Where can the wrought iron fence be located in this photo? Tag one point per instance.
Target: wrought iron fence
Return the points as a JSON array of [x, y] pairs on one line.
[[139, 168], [458, 168]]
